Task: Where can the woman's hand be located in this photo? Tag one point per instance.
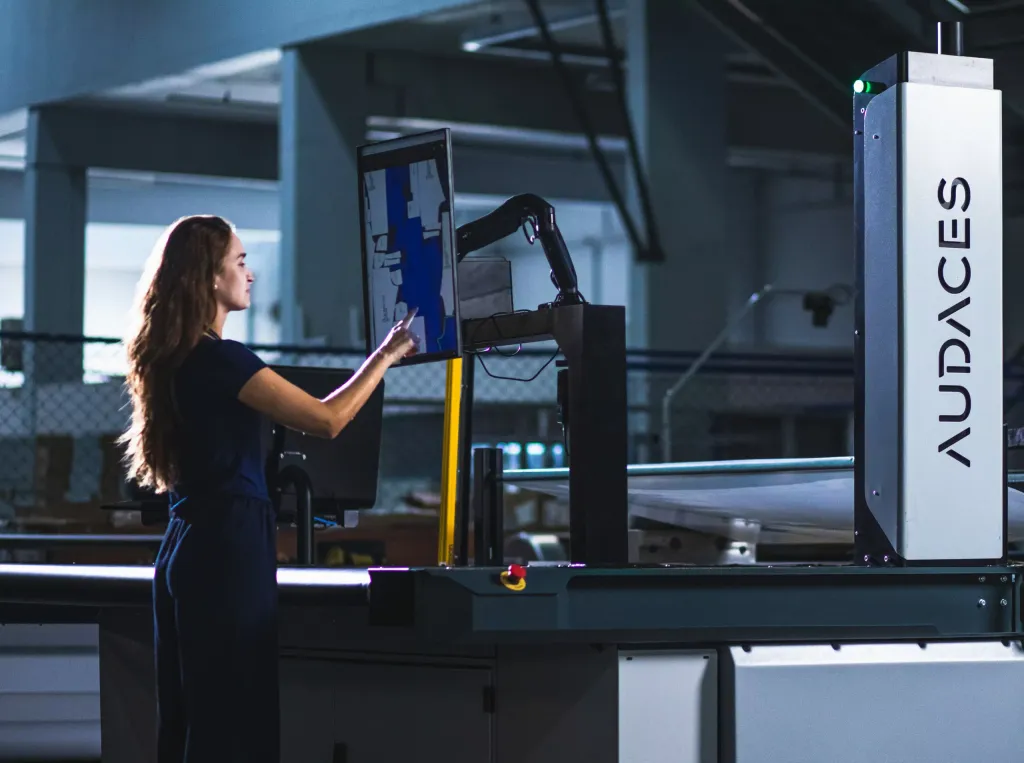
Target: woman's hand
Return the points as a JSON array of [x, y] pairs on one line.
[[399, 343]]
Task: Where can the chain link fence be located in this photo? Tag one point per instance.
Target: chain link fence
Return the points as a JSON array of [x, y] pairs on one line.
[[63, 406], [739, 406]]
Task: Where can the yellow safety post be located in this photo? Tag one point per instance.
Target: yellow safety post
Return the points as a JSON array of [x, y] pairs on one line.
[[450, 463]]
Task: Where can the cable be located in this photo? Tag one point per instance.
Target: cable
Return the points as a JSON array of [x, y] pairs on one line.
[[497, 328], [519, 378]]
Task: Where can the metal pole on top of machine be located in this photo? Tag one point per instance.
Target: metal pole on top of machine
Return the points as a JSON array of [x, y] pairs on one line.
[[950, 38]]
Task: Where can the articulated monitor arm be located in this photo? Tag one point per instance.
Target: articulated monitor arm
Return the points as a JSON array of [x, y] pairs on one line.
[[510, 217]]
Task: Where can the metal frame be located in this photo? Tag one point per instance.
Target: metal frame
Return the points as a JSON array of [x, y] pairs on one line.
[[667, 605], [450, 462], [488, 509], [464, 449], [701, 605], [592, 339], [869, 539]]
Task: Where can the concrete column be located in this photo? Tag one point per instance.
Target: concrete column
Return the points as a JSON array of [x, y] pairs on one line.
[[676, 90], [322, 122], [55, 218]]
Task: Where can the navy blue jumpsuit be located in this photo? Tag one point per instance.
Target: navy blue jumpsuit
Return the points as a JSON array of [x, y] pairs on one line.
[[215, 583]]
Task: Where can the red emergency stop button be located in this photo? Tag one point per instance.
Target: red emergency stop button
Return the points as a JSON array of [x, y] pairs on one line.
[[514, 578]]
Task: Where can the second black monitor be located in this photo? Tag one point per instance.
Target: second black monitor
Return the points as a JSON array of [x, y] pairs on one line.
[[344, 471], [409, 250]]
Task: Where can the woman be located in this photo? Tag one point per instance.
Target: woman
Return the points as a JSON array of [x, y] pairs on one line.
[[197, 400]]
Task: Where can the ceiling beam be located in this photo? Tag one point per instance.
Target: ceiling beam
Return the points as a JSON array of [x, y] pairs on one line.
[[90, 135], [97, 135], [739, 21], [905, 17], [153, 141], [54, 50], [525, 95], [507, 171], [988, 32], [477, 90], [130, 199], [781, 119]]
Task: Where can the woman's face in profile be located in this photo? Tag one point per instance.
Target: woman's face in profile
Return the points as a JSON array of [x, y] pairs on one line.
[[234, 282]]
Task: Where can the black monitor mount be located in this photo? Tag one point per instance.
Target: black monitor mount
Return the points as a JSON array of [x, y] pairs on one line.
[[515, 214], [591, 395], [283, 471]]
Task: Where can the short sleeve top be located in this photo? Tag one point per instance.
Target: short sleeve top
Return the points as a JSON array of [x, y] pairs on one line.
[[219, 444]]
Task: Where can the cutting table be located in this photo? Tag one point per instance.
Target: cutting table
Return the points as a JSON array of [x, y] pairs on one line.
[[624, 664], [764, 501]]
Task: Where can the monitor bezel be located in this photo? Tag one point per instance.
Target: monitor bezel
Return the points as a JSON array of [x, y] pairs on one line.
[[365, 151]]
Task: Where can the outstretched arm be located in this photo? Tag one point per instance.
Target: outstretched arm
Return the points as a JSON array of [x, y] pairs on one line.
[[286, 404]]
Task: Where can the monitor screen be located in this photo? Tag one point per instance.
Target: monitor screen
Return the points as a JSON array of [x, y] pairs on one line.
[[344, 471], [408, 237]]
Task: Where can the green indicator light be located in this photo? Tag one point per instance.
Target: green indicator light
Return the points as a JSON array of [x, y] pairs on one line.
[[864, 86]]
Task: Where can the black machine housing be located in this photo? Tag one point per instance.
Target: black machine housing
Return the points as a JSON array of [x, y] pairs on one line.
[[591, 393]]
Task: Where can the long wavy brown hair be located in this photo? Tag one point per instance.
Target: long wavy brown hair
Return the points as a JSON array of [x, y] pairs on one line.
[[174, 305]]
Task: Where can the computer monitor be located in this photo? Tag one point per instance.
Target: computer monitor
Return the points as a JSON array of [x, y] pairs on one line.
[[344, 471], [408, 242]]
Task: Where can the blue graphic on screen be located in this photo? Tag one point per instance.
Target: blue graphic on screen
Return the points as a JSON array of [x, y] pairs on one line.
[[408, 238]]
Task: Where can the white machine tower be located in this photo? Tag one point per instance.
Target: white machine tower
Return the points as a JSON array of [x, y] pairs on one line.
[[930, 444]]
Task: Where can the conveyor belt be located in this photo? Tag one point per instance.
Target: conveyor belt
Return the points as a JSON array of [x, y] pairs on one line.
[[756, 501]]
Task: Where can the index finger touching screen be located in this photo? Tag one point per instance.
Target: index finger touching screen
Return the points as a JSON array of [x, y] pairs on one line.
[[407, 320]]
